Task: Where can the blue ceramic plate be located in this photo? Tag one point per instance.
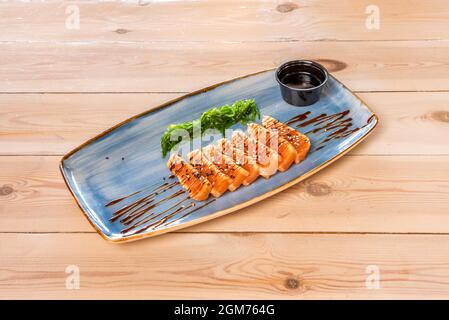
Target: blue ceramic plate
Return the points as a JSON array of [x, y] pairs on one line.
[[119, 178]]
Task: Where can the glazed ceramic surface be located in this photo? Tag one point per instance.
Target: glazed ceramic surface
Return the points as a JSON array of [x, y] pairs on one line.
[[122, 171]]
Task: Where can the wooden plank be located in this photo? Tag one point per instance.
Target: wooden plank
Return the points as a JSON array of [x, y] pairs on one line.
[[222, 20], [356, 194], [271, 266], [410, 123], [35, 124], [176, 67], [57, 123]]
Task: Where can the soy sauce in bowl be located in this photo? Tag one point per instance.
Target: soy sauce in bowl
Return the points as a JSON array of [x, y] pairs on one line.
[[301, 81]]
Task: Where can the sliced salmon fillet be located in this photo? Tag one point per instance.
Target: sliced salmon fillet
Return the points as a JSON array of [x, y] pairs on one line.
[[274, 140], [220, 182], [265, 157], [300, 141], [226, 147], [190, 179], [226, 165]]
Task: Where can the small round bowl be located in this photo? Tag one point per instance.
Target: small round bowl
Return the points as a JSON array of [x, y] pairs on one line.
[[301, 81]]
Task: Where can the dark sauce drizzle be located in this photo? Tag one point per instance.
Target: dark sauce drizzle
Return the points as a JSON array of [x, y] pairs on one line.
[[161, 221], [140, 212], [137, 214], [115, 201], [164, 220], [337, 125], [298, 118], [190, 212], [152, 216], [141, 203]]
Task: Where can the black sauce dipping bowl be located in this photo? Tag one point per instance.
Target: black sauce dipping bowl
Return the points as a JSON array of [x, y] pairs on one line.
[[301, 81]]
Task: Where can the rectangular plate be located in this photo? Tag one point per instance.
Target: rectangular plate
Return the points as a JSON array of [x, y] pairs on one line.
[[124, 164]]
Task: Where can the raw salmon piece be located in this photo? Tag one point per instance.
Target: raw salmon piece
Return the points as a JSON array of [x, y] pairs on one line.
[[300, 141], [190, 179], [226, 165], [220, 182], [265, 157], [226, 147], [274, 140]]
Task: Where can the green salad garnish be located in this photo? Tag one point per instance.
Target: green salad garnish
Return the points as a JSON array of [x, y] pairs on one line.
[[219, 118]]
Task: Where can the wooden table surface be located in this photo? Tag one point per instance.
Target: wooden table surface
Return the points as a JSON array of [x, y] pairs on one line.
[[381, 210]]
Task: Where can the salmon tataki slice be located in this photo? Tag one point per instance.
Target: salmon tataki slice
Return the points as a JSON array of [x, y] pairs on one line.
[[300, 141], [190, 179], [227, 166], [274, 140], [226, 147], [265, 157], [220, 182]]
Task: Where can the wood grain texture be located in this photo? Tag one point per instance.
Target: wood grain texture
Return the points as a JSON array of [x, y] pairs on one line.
[[56, 123], [271, 266], [234, 20], [181, 67], [356, 194]]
